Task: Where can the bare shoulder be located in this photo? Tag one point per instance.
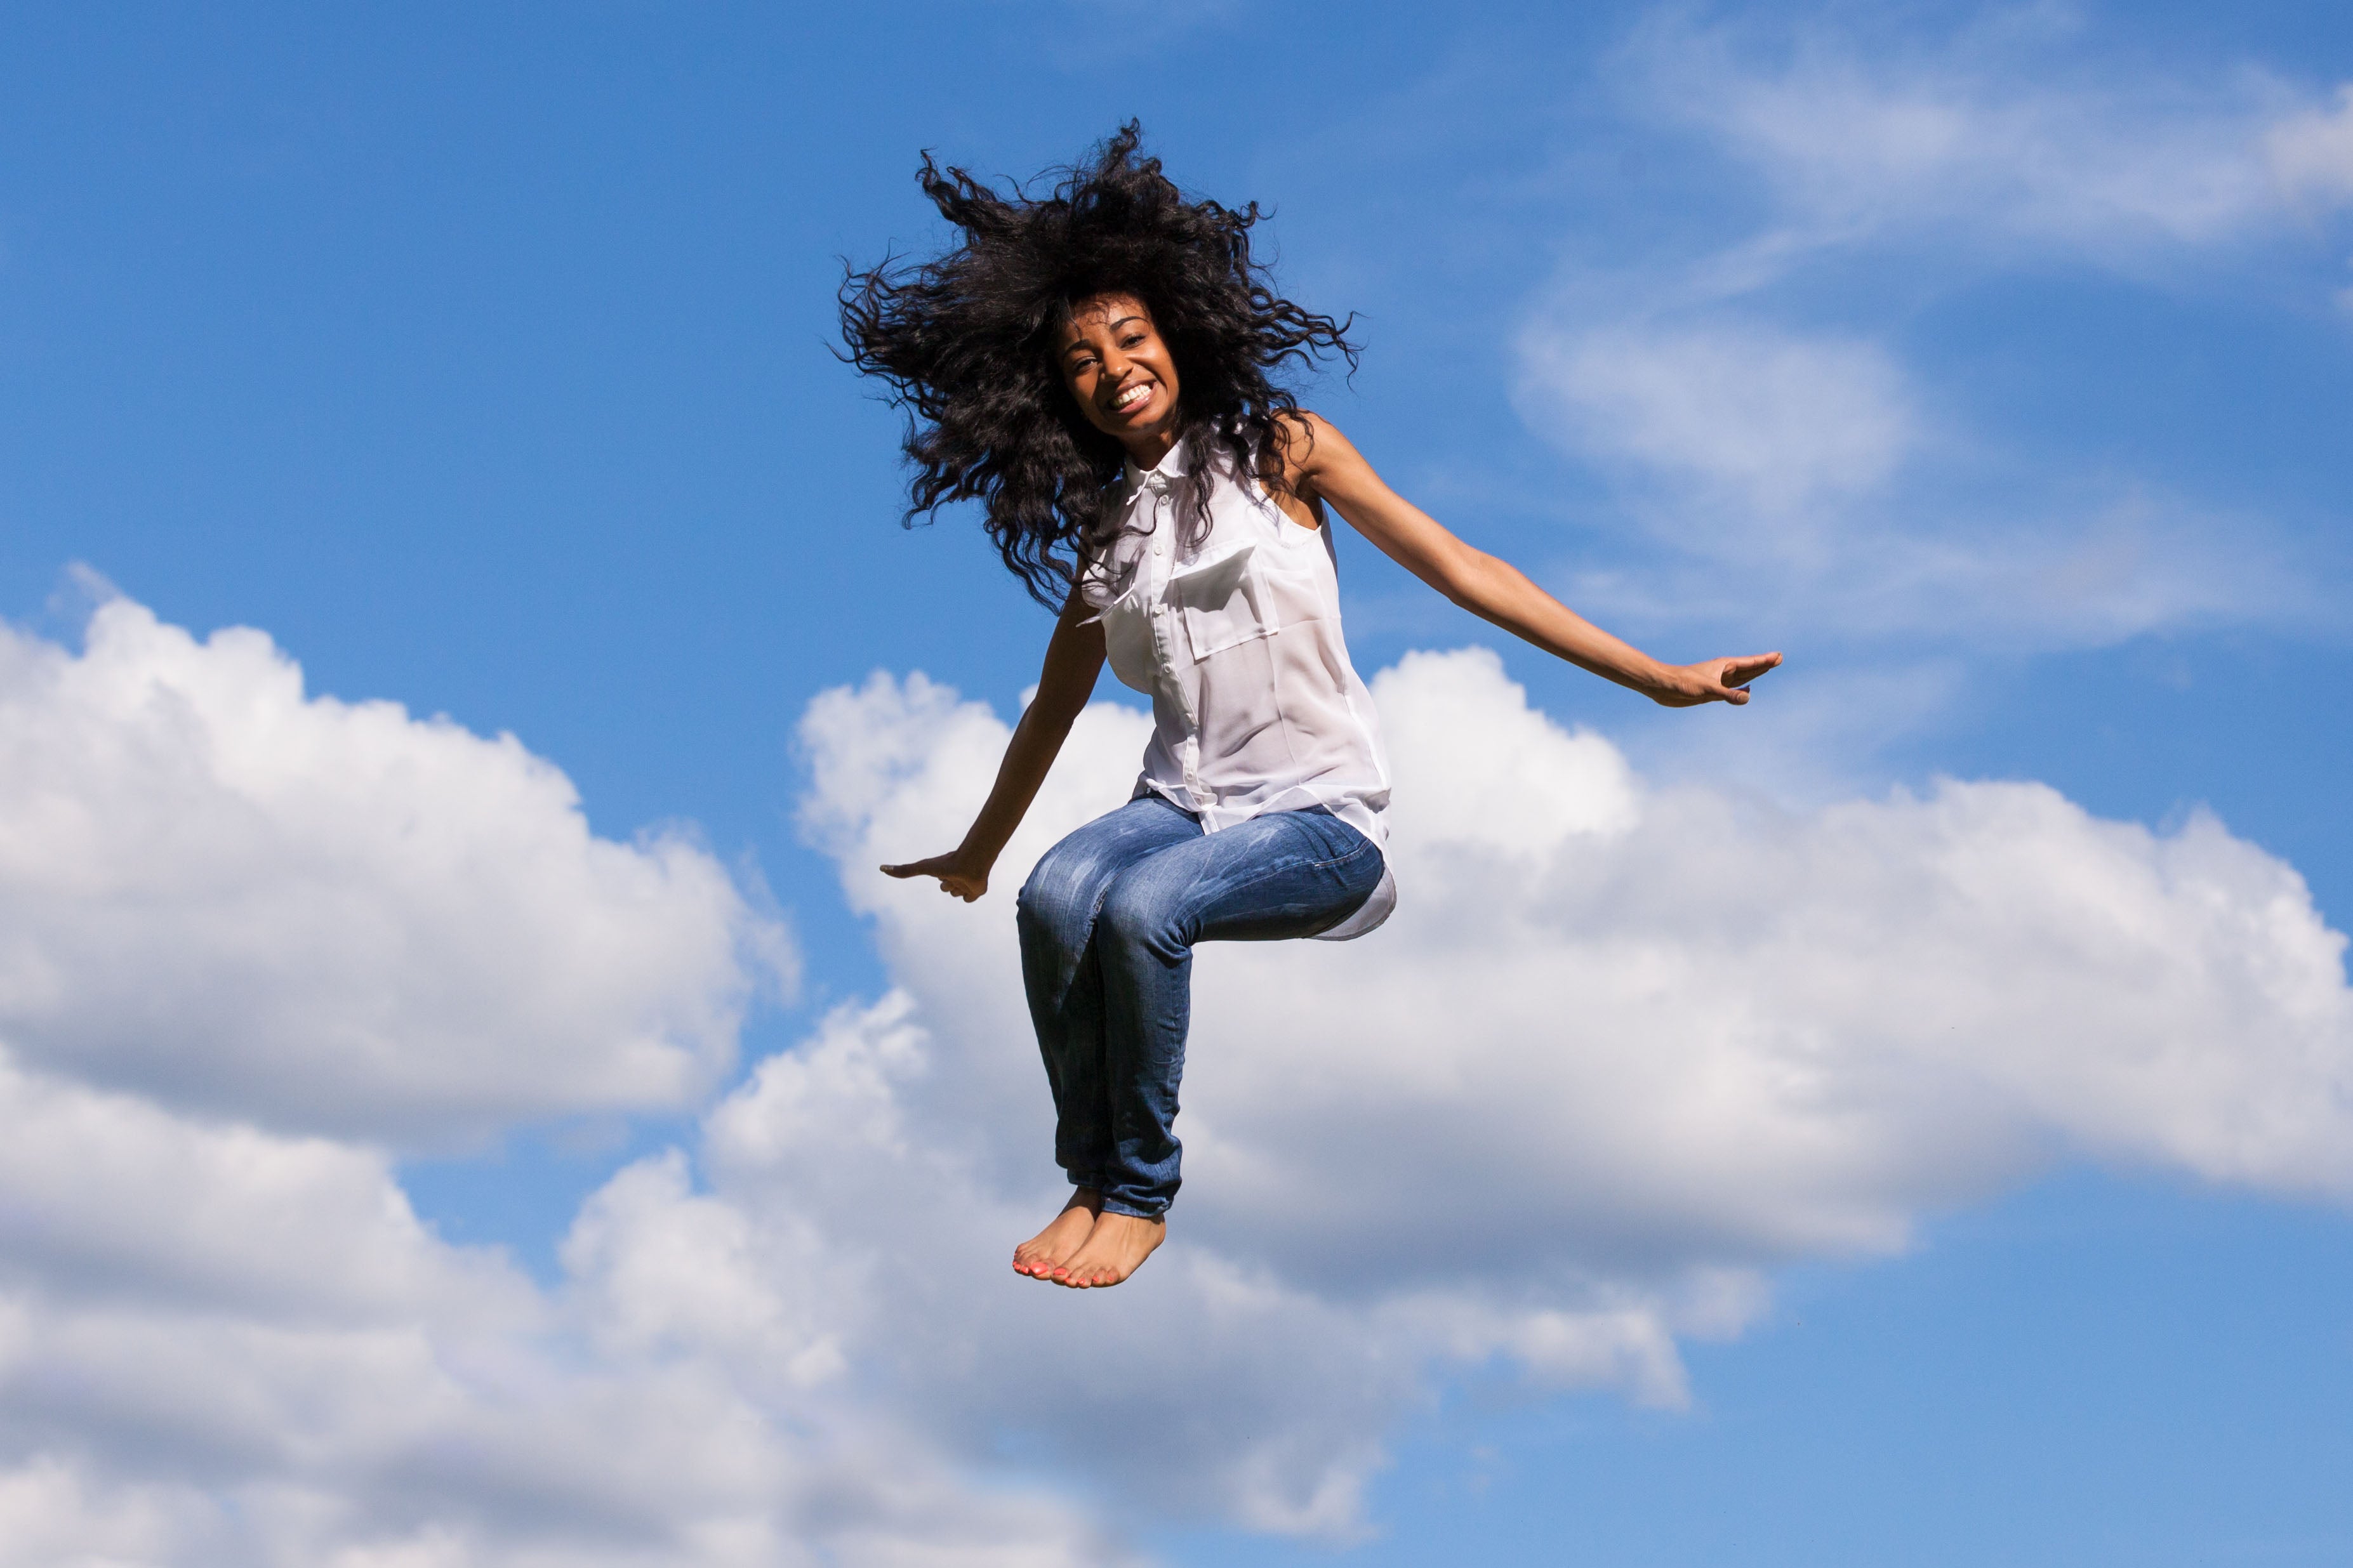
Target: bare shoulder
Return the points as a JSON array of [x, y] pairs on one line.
[[1310, 437], [1311, 449]]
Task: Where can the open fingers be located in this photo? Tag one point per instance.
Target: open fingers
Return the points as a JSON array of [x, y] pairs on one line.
[[931, 866], [954, 881]]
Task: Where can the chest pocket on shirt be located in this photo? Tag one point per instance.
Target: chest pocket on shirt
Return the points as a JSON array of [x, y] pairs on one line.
[[1225, 602]]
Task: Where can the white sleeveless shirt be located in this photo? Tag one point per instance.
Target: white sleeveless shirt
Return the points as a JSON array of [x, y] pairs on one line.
[[1237, 641]]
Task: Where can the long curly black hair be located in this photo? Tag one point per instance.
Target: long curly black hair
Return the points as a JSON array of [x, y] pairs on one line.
[[967, 343]]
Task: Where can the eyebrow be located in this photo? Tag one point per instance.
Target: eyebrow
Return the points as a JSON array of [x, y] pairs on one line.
[[1114, 327]]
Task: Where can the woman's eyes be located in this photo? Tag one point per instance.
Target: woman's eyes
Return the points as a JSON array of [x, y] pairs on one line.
[[1087, 361]]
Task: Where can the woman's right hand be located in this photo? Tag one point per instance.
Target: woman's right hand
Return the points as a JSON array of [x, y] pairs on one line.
[[1073, 659], [966, 882]]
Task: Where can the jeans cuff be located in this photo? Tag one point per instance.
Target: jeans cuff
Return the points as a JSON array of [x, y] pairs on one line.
[[1120, 1206]]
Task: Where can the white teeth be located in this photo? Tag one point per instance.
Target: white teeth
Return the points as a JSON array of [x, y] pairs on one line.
[[1131, 396]]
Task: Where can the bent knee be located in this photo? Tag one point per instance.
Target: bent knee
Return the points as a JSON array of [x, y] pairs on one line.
[[1058, 897], [1139, 913]]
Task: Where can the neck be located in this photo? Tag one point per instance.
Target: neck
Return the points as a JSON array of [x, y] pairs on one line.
[[1148, 447]]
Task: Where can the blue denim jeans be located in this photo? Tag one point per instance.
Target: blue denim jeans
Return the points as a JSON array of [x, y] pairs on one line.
[[1108, 922]]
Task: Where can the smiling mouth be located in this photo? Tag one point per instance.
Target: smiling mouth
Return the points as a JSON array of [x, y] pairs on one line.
[[1131, 398]]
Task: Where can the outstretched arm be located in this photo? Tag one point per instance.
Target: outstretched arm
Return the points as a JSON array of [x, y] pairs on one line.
[[1073, 659], [1327, 467]]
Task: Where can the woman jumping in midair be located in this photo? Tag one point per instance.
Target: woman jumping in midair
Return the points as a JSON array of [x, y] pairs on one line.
[[1094, 365]]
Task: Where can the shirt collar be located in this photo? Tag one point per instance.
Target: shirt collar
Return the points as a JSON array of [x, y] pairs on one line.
[[1175, 465]]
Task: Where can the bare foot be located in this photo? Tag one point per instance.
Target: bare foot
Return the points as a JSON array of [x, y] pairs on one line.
[[1115, 1248], [1048, 1248]]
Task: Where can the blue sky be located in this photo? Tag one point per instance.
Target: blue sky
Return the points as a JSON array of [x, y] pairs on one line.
[[1992, 362]]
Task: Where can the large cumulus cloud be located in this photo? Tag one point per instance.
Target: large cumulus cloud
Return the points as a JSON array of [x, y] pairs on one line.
[[1625, 1048], [253, 944], [334, 916]]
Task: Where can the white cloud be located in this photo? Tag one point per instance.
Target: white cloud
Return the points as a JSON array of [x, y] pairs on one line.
[[1804, 468], [2311, 150], [112, 1198], [224, 1343], [1791, 476], [2082, 573], [1777, 469], [1621, 1052], [332, 916], [1990, 138], [1776, 420], [52, 1514]]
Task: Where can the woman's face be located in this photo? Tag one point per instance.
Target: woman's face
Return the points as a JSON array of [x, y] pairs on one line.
[[1115, 364]]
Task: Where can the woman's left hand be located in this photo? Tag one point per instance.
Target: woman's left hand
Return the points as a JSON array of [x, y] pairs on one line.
[[1321, 465], [1711, 681]]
